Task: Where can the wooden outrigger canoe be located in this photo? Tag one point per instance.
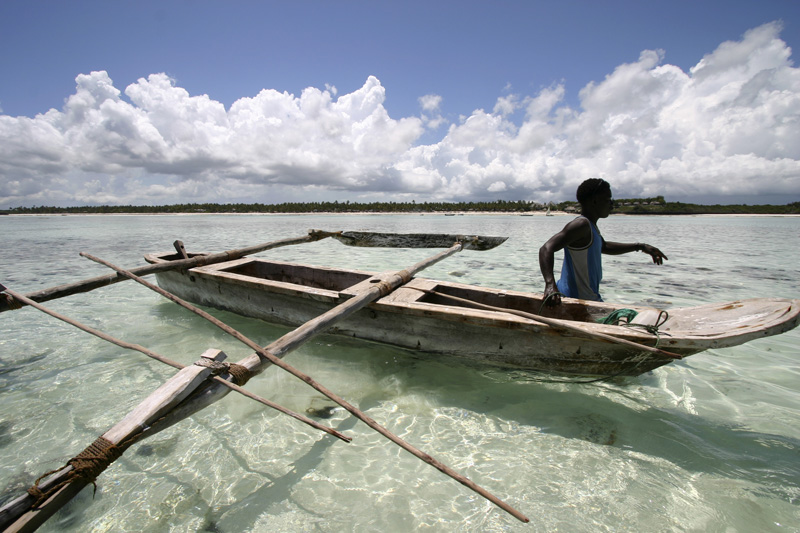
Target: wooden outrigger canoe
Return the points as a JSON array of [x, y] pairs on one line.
[[500, 327], [397, 308], [191, 389]]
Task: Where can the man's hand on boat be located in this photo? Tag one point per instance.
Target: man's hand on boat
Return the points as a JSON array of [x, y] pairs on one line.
[[552, 297]]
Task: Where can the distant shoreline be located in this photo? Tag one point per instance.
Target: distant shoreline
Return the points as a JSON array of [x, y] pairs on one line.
[[622, 206], [376, 213]]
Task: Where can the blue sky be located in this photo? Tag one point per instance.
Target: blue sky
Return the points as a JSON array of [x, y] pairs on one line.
[[437, 100]]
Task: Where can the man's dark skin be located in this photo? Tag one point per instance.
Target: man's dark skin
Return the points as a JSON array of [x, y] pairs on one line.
[[577, 234]]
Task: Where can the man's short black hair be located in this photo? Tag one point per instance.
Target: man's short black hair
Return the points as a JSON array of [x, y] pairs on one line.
[[592, 187]]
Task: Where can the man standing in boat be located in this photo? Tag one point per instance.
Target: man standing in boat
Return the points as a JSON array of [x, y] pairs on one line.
[[583, 245]]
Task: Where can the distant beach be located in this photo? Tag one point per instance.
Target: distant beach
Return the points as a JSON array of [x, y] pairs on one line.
[[377, 213]]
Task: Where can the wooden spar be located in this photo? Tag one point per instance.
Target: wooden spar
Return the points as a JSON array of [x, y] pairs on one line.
[[292, 340], [352, 238], [256, 362], [90, 284], [174, 364], [556, 323], [27, 301], [15, 509], [122, 434]]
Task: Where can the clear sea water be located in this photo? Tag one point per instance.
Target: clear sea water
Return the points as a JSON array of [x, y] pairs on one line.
[[711, 443]]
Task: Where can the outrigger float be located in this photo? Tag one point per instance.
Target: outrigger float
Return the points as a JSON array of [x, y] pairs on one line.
[[500, 327]]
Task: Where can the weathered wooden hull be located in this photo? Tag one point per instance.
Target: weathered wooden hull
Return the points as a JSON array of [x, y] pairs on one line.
[[292, 294]]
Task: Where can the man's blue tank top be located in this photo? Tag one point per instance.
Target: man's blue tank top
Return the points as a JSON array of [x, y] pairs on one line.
[[582, 269]]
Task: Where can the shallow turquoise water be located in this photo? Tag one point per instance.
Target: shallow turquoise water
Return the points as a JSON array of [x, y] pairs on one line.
[[710, 443]]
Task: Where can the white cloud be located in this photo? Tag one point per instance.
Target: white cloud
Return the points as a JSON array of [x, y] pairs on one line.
[[497, 186], [431, 117], [506, 105], [731, 125], [430, 102]]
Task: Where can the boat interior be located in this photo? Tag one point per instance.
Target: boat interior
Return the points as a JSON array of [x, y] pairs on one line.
[[527, 303], [420, 290], [715, 320], [306, 276]]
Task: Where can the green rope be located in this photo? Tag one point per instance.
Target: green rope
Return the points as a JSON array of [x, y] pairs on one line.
[[663, 316], [629, 314], [616, 316]]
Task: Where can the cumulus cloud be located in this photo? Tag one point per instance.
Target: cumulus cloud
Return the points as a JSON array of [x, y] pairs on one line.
[[431, 112], [728, 126], [430, 102]]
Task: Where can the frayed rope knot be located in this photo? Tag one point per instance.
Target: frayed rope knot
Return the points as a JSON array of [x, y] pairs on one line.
[[240, 374], [216, 367], [86, 466]]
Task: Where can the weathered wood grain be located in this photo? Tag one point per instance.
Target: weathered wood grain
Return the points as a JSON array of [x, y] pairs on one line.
[[90, 284], [271, 354], [417, 240], [291, 294], [146, 413]]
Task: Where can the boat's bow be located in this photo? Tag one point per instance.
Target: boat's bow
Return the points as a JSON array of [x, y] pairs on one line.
[[725, 324]]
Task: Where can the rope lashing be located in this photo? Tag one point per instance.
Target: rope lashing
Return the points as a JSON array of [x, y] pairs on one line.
[[385, 286], [240, 374], [216, 367], [92, 461], [86, 466], [12, 302]]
